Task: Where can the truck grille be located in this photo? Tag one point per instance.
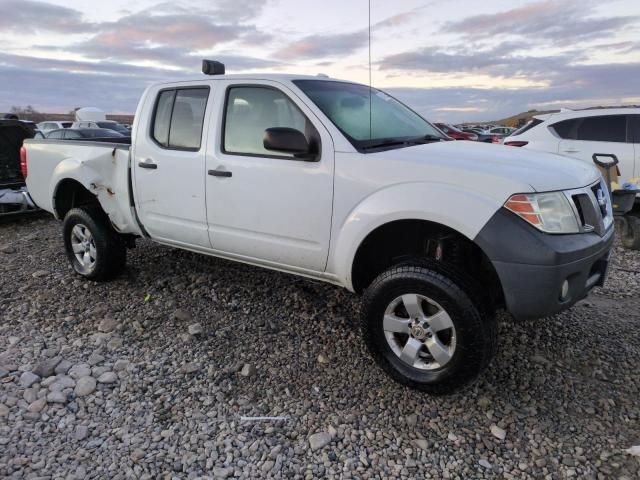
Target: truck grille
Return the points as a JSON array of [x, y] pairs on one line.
[[593, 206]]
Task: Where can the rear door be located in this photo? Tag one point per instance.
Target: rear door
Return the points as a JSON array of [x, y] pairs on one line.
[[169, 165], [602, 134], [264, 206]]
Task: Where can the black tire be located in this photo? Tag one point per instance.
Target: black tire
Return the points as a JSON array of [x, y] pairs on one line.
[[475, 332], [630, 232], [110, 250]]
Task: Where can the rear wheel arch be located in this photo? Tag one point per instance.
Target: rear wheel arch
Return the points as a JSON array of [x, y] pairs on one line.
[[70, 193]]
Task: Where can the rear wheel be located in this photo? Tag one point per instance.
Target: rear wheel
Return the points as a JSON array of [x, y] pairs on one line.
[[424, 329], [94, 249]]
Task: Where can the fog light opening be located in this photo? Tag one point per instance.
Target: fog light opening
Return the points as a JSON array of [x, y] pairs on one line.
[[564, 292]]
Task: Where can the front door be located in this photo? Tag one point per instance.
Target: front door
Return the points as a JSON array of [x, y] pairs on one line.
[[264, 206], [169, 166]]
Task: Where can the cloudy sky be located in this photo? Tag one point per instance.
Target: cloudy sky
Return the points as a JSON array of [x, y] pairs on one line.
[[451, 60]]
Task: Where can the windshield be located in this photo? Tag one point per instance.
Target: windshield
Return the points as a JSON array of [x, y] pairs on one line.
[[348, 106]]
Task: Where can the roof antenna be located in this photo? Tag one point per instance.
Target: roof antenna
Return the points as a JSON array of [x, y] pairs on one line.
[[370, 122]]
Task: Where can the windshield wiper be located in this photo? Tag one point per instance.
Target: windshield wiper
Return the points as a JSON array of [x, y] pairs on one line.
[[389, 142], [392, 142], [428, 138]]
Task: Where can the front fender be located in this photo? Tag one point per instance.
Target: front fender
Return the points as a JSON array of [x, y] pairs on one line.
[[461, 210]]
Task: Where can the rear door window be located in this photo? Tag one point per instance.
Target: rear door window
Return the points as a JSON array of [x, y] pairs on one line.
[[187, 118], [607, 128], [179, 118]]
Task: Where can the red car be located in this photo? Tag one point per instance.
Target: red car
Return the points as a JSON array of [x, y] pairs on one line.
[[455, 133]]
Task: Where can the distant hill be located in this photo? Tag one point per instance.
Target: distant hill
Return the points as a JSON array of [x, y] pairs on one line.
[[522, 118]]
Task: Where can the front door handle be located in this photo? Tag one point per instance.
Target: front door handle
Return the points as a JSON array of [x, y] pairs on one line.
[[220, 173], [148, 164], [571, 151]]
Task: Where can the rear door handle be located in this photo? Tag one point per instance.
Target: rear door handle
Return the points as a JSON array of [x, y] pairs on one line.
[[220, 173], [148, 164], [571, 151]]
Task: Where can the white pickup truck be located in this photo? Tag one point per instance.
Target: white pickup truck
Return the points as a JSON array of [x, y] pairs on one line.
[[333, 181]]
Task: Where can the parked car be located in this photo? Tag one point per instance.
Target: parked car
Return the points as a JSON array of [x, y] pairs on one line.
[[580, 134], [83, 133], [13, 191], [108, 124], [500, 131], [47, 126], [456, 134], [282, 171], [497, 134], [481, 136]]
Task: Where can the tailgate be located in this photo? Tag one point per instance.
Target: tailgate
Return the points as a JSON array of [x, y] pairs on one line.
[[12, 134]]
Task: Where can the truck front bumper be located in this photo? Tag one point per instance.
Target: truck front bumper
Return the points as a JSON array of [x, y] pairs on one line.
[[543, 274]]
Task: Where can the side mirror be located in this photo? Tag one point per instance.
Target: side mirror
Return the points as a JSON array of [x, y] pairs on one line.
[[287, 140]]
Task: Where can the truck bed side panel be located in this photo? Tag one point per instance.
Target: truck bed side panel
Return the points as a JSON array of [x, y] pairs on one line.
[[102, 168]]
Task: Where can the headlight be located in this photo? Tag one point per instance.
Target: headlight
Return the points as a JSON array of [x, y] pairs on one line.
[[548, 212]]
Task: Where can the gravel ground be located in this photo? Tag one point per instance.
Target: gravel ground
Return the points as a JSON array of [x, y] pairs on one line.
[[153, 374]]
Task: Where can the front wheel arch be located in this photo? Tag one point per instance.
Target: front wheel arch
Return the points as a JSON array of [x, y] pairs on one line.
[[396, 242]]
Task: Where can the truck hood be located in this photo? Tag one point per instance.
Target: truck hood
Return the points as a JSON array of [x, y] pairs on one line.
[[525, 170]]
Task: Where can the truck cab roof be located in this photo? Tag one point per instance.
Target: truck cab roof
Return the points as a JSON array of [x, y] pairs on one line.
[[276, 77]]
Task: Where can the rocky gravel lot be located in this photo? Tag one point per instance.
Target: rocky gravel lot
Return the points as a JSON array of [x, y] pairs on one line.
[[158, 373]]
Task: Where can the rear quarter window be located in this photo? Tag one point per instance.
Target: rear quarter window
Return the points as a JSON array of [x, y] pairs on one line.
[[567, 129]]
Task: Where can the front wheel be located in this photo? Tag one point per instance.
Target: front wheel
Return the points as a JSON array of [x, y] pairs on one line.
[[94, 249], [424, 330]]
